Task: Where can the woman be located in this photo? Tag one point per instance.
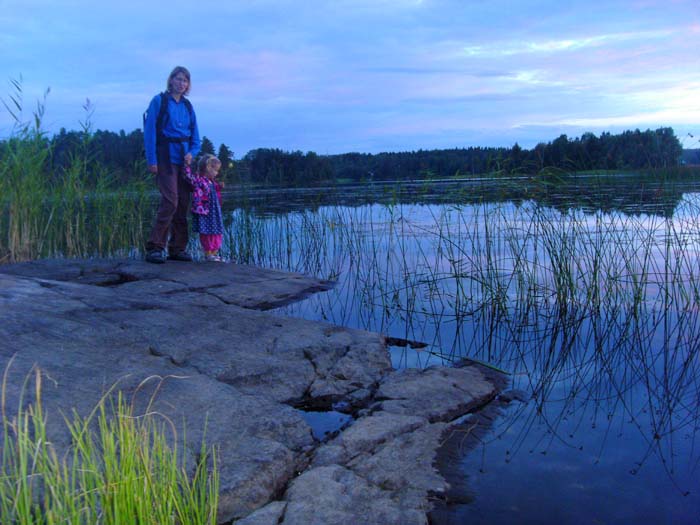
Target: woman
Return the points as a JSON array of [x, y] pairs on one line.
[[171, 140]]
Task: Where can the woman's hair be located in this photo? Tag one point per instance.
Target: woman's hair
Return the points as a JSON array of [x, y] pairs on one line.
[[174, 73], [207, 160]]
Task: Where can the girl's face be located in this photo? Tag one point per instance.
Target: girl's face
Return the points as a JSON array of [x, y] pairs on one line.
[[212, 171]]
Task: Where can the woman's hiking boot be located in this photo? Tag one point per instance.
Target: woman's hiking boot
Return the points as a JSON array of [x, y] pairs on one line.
[[155, 256]]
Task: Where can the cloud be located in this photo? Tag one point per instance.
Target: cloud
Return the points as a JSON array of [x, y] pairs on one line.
[[675, 106], [510, 48]]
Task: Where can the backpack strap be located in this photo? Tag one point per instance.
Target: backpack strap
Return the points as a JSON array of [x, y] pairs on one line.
[[188, 104], [162, 114]]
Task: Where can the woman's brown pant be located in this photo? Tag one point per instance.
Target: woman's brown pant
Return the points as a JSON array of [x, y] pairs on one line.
[[172, 211]]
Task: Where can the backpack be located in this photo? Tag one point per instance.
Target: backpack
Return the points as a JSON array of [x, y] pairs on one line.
[[163, 114]]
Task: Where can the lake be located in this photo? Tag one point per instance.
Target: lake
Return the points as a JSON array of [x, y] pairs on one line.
[[585, 291]]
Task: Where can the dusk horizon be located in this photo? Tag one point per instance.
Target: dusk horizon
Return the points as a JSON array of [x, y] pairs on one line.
[[358, 76]]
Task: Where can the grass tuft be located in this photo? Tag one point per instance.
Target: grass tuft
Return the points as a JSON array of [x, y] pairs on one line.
[[120, 469]]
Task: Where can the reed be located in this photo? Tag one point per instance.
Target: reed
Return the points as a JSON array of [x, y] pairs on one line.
[[120, 469], [587, 307], [79, 212], [464, 258], [24, 215]]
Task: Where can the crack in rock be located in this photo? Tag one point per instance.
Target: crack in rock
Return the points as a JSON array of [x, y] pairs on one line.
[[373, 448]]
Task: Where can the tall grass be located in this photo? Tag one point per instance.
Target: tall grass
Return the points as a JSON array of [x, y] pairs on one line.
[[80, 211], [120, 469]]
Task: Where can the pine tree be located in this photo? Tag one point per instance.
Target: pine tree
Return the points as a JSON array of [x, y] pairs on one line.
[[207, 146], [226, 157]]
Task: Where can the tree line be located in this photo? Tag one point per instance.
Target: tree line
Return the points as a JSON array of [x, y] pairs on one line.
[[121, 155], [629, 150]]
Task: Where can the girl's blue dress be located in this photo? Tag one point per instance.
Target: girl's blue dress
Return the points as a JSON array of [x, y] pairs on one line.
[[213, 222]]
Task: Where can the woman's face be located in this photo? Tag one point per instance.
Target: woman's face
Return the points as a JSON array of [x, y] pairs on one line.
[[179, 84]]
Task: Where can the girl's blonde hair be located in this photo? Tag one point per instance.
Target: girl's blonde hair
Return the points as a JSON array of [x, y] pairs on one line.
[[207, 160]]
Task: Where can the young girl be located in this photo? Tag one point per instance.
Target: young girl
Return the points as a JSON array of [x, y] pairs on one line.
[[207, 218]]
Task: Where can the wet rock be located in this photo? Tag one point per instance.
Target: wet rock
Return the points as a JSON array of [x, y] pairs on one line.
[[336, 495], [393, 447], [365, 436], [509, 396], [437, 394]]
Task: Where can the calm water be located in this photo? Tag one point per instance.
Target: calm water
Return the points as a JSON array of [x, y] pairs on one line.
[[588, 297]]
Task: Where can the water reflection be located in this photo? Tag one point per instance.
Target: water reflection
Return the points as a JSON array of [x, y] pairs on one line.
[[325, 424], [592, 309], [628, 193]]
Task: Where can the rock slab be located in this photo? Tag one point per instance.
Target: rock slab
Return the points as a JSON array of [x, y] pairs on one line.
[[195, 339]]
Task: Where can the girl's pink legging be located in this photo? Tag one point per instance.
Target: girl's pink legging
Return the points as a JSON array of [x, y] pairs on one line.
[[210, 242]]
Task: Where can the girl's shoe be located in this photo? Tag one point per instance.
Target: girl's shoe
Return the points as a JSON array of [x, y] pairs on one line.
[[213, 258]]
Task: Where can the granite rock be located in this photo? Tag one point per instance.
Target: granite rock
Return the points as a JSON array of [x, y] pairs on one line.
[[195, 342]]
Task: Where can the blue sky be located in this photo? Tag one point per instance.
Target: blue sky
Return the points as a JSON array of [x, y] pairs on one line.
[[363, 75]]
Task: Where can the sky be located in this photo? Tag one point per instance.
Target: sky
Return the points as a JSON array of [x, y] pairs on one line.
[[366, 76]]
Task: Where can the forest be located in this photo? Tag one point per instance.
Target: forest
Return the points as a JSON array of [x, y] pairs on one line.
[[121, 156]]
